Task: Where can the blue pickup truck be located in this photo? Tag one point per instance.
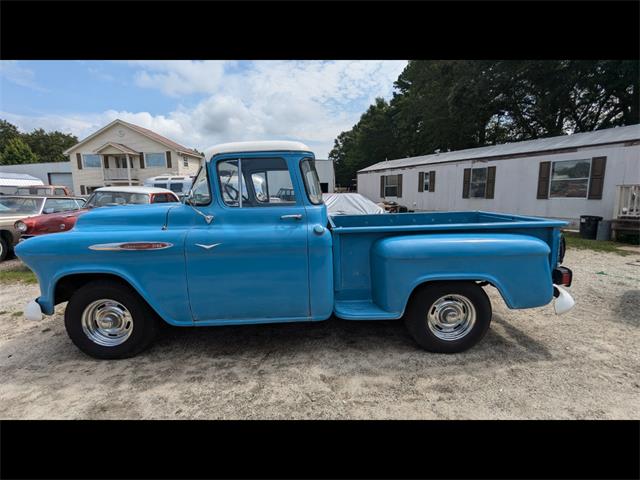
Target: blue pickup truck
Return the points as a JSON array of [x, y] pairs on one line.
[[253, 243]]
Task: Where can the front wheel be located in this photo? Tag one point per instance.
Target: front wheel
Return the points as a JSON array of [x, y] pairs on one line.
[[448, 317], [4, 248], [108, 320]]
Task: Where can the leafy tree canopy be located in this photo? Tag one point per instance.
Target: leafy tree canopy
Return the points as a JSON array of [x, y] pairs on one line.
[[17, 152], [46, 146], [457, 104]]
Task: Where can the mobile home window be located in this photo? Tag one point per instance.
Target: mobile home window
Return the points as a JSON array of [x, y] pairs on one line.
[[570, 179], [91, 160], [478, 182], [185, 161], [391, 185], [425, 183], [155, 160]]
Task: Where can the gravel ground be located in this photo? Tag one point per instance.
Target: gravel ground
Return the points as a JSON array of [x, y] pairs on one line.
[[532, 364]]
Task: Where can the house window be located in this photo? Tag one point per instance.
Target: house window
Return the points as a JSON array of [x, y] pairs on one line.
[[91, 160], [478, 182], [570, 179], [391, 185], [185, 161], [155, 160]]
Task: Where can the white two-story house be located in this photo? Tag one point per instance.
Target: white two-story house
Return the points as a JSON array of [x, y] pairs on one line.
[[122, 153]]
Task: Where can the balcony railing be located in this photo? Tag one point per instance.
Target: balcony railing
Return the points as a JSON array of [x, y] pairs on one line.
[[119, 174], [627, 202]]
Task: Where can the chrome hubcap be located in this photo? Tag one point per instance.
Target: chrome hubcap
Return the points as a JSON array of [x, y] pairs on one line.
[[107, 322], [451, 317]]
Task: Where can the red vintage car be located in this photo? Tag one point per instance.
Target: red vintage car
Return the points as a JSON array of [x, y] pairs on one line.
[[101, 197]]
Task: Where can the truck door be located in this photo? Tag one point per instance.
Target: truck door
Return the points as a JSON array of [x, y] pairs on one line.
[[250, 263]]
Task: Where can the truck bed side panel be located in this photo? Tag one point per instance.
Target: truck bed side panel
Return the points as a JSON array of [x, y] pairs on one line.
[[518, 265]]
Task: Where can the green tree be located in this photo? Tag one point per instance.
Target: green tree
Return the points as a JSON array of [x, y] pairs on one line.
[[7, 132], [48, 146], [17, 152], [457, 104]]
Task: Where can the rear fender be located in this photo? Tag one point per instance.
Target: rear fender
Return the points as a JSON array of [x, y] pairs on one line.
[[517, 265]]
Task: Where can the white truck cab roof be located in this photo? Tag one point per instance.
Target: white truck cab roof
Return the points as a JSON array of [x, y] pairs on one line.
[[259, 146]]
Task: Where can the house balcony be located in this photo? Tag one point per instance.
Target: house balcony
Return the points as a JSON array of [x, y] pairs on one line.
[[120, 174]]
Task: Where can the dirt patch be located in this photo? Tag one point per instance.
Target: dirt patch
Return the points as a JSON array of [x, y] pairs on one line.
[[531, 364]]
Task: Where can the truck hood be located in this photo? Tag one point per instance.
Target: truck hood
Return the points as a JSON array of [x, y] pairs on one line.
[[124, 217]]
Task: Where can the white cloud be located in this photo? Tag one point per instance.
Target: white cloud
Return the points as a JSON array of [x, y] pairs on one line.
[[178, 77], [10, 70], [309, 101]]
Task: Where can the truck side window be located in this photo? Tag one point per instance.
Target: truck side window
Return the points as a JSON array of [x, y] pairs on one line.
[[311, 181], [228, 176]]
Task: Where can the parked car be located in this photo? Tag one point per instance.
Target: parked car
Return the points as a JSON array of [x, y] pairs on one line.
[[58, 190], [64, 221], [14, 207], [178, 184], [225, 257], [350, 204]]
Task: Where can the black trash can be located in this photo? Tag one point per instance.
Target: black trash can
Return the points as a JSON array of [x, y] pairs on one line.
[[589, 226]]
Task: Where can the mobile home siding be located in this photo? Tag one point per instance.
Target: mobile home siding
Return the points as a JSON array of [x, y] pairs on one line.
[[516, 184]]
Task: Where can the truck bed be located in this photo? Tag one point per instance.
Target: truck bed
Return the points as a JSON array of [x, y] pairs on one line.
[[354, 236], [432, 221]]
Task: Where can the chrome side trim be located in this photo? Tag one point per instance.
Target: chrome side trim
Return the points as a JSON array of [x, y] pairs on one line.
[[133, 246]]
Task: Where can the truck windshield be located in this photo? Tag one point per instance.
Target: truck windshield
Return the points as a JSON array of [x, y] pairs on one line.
[[311, 180]]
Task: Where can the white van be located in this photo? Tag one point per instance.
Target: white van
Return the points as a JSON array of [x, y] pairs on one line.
[[179, 184]]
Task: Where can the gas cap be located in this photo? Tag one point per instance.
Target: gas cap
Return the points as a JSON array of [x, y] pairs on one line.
[[319, 229]]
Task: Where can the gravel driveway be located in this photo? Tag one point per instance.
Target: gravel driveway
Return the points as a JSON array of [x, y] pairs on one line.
[[531, 364]]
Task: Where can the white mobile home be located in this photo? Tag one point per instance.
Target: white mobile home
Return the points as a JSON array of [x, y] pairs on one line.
[[559, 177]]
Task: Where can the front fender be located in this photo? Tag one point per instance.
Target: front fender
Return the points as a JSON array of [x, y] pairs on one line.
[[159, 276], [517, 265]]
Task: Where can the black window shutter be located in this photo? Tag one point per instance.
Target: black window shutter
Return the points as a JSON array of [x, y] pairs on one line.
[[83, 191], [432, 181], [105, 159], [543, 180], [421, 182], [598, 165], [466, 182], [382, 186], [141, 160], [79, 159], [168, 159], [399, 185], [491, 182]]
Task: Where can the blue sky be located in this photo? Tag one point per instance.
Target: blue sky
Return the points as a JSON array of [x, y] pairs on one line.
[[197, 103]]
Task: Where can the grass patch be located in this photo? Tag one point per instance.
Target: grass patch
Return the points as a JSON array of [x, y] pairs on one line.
[[575, 241], [20, 274], [16, 314]]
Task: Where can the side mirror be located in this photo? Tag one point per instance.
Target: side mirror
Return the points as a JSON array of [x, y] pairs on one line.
[[48, 210]]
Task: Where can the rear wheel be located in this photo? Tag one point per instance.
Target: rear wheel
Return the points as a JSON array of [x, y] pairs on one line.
[[108, 320], [448, 317]]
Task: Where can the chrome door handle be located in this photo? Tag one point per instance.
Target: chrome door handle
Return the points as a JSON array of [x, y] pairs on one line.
[[296, 216]]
